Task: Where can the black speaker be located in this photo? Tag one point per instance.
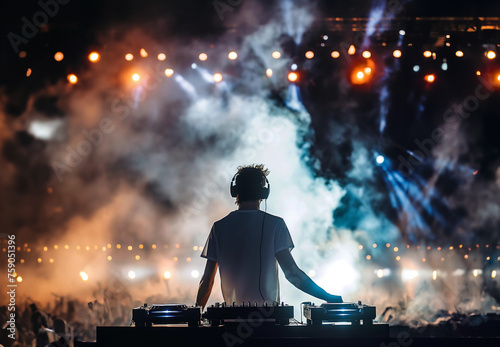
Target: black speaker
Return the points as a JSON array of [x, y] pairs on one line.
[[263, 193]]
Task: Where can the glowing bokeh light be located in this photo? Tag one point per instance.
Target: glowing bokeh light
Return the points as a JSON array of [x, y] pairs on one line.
[[459, 54], [232, 55], [84, 276], [366, 54], [217, 78], [416, 68], [360, 75], [131, 274], [293, 76], [397, 53], [493, 273], [309, 54], [203, 56], [402, 32], [162, 56], [129, 56], [169, 72], [143, 53], [19, 279], [276, 55], [167, 275], [72, 78], [335, 54], [269, 72], [351, 50], [94, 57], [434, 275], [195, 274], [408, 275], [136, 77], [340, 275], [430, 78], [491, 55], [380, 159], [28, 72], [427, 54], [58, 56]]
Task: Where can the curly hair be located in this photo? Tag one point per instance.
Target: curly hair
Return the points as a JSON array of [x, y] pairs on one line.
[[249, 180]]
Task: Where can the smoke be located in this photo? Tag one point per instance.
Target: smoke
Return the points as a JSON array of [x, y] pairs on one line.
[[110, 163]]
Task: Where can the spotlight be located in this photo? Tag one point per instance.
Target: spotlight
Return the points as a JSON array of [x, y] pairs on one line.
[[351, 50], [217, 77], [309, 54], [380, 273], [143, 53], [232, 55], [94, 57], [269, 73], [434, 275], [335, 54], [366, 54], [459, 54], [396, 53], [167, 275], [416, 68], [493, 273], [491, 55], [169, 72], [162, 56], [136, 77], [380, 159], [276, 55], [407, 275], [293, 67], [195, 273], [325, 37], [131, 274], [194, 66], [293, 76], [19, 279], [427, 54], [402, 32], [72, 79], [129, 56], [203, 56], [430, 78], [58, 56]]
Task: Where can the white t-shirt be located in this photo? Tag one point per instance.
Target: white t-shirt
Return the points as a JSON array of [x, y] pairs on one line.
[[235, 244]]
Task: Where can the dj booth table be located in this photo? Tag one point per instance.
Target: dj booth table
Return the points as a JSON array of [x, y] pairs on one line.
[[244, 334], [273, 336]]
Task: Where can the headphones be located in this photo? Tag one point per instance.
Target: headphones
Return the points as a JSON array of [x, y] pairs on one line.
[[263, 192]]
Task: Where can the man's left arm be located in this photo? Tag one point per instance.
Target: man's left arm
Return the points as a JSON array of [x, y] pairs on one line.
[[206, 283]]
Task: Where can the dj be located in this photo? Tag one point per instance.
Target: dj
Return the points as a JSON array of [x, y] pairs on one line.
[[247, 246]]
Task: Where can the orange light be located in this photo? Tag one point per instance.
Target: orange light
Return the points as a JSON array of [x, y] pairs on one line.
[[430, 78], [20, 279], [309, 54], [203, 56], [368, 257], [94, 57], [143, 53], [58, 56], [335, 54], [232, 55], [129, 56], [269, 73], [293, 76], [72, 79], [366, 54], [136, 77], [478, 73], [28, 72], [169, 72], [427, 54], [397, 53], [367, 70], [491, 55], [351, 50], [498, 77], [459, 54], [360, 75], [162, 56], [276, 55], [217, 78]]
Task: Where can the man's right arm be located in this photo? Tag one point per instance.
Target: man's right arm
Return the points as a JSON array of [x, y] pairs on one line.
[[299, 279]]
